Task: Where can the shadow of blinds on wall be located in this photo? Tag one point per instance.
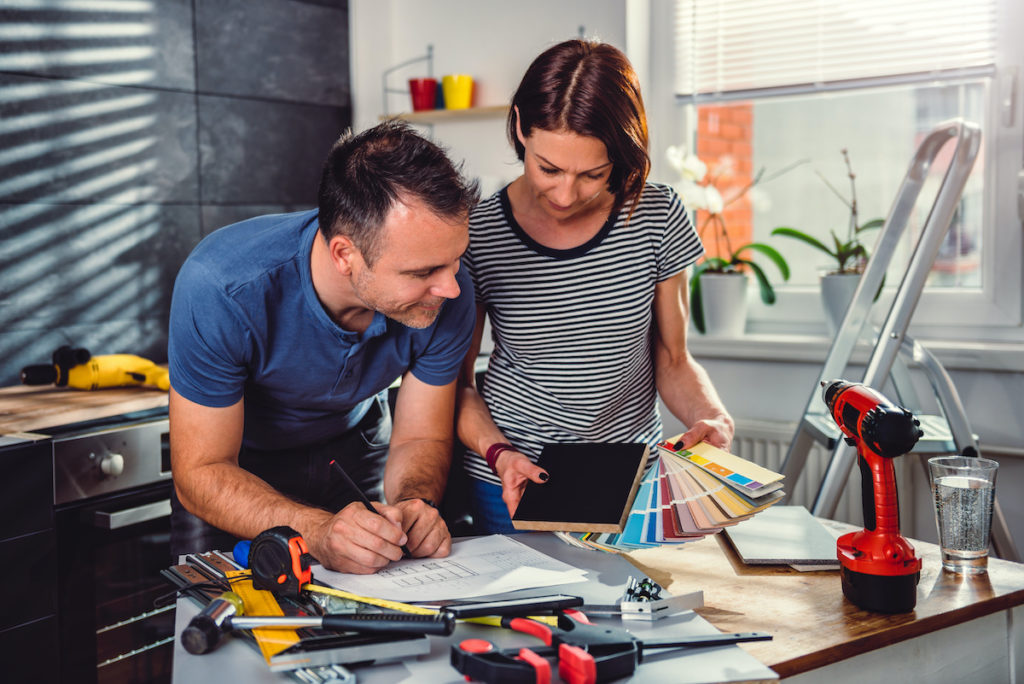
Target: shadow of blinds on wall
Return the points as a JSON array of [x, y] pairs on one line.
[[78, 201]]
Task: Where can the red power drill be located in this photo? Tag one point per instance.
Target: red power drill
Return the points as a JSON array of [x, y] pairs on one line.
[[878, 566]]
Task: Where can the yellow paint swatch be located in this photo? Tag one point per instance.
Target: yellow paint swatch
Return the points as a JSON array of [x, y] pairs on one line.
[[731, 463]]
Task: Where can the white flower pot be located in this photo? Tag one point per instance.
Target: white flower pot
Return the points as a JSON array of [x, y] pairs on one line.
[[724, 296], [836, 294]]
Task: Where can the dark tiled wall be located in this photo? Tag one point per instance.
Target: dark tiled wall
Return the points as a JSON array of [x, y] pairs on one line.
[[129, 132]]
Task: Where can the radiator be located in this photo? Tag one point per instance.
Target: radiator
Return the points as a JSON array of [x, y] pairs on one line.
[[766, 443]]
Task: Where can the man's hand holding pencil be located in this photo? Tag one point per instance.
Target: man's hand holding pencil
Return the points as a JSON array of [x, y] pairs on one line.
[[356, 539], [365, 536]]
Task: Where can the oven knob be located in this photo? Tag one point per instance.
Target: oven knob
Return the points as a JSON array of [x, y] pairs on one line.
[[112, 464]]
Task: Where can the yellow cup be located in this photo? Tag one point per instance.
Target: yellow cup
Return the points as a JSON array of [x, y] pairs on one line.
[[458, 91]]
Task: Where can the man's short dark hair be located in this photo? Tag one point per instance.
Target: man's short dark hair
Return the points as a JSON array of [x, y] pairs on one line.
[[366, 174]]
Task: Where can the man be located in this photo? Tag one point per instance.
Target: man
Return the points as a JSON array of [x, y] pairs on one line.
[[286, 332]]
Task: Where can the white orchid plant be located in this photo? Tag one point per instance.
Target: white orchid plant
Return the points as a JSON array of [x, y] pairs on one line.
[[698, 191]]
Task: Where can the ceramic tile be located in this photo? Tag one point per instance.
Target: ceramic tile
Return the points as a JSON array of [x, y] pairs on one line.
[[254, 152], [77, 141], [292, 50]]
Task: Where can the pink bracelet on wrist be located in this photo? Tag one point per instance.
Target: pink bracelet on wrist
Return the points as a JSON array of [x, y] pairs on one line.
[[494, 451]]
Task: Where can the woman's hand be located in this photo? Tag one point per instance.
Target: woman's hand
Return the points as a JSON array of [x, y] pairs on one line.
[[717, 432], [515, 470]]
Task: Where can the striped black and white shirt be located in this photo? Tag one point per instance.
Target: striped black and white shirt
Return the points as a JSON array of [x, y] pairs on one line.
[[572, 329]]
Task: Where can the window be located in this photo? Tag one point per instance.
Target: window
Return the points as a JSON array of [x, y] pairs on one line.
[[769, 84]]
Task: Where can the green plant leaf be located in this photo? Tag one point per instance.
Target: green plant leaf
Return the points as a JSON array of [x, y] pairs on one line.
[[767, 292], [712, 265], [769, 252], [873, 223], [696, 303], [842, 248], [843, 252], [786, 231]]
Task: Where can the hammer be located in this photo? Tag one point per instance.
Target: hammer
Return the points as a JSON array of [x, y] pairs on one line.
[[224, 614]]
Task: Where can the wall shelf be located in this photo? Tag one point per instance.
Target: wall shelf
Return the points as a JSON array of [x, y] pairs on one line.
[[433, 116]]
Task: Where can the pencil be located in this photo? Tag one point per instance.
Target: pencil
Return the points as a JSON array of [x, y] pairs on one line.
[[362, 497]]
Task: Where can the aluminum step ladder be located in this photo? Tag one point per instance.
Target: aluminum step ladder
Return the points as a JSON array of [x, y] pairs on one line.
[[947, 433]]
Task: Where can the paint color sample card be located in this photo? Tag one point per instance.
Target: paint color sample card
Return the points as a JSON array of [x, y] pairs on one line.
[[783, 535], [740, 474], [591, 488]]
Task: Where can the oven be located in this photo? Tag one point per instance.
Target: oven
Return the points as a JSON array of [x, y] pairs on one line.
[[111, 518]]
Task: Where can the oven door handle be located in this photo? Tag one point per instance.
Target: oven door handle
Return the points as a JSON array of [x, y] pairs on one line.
[[132, 516]]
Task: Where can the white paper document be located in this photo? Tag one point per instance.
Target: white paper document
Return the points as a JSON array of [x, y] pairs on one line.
[[475, 567]]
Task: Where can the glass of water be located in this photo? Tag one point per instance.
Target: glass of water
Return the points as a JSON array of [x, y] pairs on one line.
[[964, 489]]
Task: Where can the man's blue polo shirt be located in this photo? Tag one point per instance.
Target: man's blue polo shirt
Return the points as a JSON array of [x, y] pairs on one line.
[[246, 323]]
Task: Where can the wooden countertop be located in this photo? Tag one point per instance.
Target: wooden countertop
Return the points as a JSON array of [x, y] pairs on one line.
[[811, 621], [34, 408]]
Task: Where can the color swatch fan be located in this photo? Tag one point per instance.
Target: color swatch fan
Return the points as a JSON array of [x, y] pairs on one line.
[[747, 478], [691, 493]]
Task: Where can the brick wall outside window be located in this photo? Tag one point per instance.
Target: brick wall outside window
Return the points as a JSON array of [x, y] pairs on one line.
[[724, 136]]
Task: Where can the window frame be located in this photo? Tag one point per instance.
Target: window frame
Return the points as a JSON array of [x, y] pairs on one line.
[[995, 311]]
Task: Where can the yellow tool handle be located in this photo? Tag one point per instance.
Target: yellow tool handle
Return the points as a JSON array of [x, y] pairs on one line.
[[495, 621], [117, 370]]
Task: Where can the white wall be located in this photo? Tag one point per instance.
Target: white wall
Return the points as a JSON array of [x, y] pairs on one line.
[[492, 41]]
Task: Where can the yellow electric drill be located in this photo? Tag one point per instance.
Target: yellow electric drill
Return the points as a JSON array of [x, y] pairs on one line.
[[79, 369]]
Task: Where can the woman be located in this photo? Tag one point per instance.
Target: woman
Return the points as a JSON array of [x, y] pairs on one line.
[[580, 265]]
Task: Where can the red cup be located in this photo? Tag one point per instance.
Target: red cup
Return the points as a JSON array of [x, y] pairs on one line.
[[424, 93]]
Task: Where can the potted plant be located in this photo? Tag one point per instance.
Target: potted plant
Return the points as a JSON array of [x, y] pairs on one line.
[[850, 254], [718, 285], [714, 299]]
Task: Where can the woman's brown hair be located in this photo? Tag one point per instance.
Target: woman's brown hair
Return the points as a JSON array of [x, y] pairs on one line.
[[589, 89]]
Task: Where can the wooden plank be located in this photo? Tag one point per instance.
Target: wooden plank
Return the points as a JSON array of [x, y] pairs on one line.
[[812, 623], [33, 409]]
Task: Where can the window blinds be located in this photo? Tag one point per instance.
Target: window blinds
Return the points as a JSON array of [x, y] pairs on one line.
[[730, 49]]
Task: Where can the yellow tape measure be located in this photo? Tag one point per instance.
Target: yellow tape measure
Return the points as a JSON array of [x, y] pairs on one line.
[[271, 640], [381, 603]]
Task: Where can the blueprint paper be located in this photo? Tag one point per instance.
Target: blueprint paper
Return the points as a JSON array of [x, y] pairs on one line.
[[475, 567]]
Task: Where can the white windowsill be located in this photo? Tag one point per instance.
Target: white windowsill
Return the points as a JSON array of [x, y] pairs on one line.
[[813, 349]]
